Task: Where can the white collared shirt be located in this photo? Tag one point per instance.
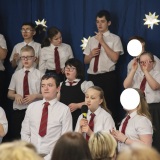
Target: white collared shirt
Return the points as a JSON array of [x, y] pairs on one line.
[[16, 84], [84, 86], [151, 95], [105, 63], [137, 125], [156, 67], [3, 122], [103, 121], [59, 122], [47, 56], [17, 49], [4, 46]]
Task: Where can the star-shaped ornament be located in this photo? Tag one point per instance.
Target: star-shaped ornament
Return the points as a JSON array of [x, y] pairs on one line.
[[84, 42], [43, 23], [151, 19]]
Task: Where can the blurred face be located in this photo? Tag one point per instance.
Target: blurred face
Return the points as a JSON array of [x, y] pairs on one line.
[[70, 72], [146, 62], [57, 39], [27, 32], [102, 24], [92, 99], [49, 89], [27, 59]]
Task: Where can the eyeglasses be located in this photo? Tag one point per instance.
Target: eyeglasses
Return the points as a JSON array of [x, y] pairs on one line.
[[26, 31], [71, 69], [145, 62], [26, 57]]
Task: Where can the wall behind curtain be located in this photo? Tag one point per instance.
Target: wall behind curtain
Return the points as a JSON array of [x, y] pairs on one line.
[[76, 19]]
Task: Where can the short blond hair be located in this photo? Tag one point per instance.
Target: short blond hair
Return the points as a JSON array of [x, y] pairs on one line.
[[18, 150], [102, 146], [27, 48], [139, 152]]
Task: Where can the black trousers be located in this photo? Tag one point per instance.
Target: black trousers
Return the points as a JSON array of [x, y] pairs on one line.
[[17, 118], [154, 109], [2, 89], [108, 82]]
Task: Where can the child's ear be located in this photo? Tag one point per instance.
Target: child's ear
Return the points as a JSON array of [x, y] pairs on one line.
[[101, 101], [35, 58], [34, 32], [109, 23]]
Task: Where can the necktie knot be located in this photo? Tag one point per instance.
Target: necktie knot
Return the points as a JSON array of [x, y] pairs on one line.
[[46, 104], [26, 72], [92, 115], [56, 48], [71, 83]]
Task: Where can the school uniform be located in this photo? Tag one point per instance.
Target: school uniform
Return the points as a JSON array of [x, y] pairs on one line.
[[153, 100], [137, 125], [47, 59], [105, 77], [59, 122], [17, 49], [103, 121], [74, 94], [16, 84], [2, 71]]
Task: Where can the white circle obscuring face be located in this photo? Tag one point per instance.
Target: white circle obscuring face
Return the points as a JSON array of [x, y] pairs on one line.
[[129, 99], [134, 47]]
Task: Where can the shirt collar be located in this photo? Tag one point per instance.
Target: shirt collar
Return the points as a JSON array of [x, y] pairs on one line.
[[133, 114], [75, 80], [53, 47], [106, 33], [51, 102], [96, 112], [30, 69], [30, 43]]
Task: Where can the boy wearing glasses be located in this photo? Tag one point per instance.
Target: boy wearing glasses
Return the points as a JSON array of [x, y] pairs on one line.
[[28, 31], [72, 90], [24, 88]]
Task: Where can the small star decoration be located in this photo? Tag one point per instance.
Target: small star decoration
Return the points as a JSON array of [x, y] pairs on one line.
[[84, 42], [151, 19], [41, 23]]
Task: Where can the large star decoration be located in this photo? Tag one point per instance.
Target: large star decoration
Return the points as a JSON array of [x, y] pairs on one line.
[[84, 42], [151, 19]]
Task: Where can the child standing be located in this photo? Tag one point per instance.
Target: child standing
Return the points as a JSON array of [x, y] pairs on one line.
[[24, 88], [148, 80], [98, 116], [28, 31], [73, 89], [54, 53]]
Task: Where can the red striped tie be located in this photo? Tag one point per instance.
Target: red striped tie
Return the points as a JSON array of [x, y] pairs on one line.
[[125, 124], [44, 120], [25, 84], [57, 60], [91, 124], [95, 67]]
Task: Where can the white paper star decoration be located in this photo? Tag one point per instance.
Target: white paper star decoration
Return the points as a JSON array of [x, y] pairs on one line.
[[151, 19], [84, 42], [43, 23]]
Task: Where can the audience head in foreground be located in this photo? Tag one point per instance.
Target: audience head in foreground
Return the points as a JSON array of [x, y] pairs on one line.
[[71, 146], [102, 146]]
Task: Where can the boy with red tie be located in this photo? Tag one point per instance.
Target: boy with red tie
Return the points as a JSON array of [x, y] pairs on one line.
[[24, 88]]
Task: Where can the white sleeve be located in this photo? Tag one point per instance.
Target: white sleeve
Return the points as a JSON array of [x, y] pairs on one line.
[[67, 122], [42, 62], [144, 126], [3, 42], [85, 85], [25, 130]]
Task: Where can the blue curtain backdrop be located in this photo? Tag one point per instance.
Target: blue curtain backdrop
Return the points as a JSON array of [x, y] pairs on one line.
[[76, 19]]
